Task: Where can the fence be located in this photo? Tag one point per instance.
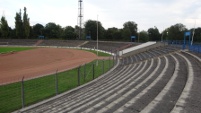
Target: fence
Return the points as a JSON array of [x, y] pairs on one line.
[[196, 47], [18, 95]]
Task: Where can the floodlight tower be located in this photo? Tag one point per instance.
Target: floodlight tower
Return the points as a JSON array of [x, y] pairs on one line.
[[80, 17], [3, 14]]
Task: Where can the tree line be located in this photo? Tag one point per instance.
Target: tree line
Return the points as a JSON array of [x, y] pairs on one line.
[[51, 30]]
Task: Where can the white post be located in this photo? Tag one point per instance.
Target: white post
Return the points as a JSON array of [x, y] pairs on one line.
[[97, 35], [193, 33], [97, 40]]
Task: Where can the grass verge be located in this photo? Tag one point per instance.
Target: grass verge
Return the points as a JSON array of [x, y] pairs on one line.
[[99, 53], [36, 90]]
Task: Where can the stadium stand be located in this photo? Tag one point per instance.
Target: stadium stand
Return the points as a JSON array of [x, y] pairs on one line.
[[103, 45], [20, 42], [36, 42], [68, 43], [109, 46], [162, 79]]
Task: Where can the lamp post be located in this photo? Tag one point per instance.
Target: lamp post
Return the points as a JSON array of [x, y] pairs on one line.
[[138, 35], [162, 37], [97, 35], [167, 37], [97, 41], [193, 33]]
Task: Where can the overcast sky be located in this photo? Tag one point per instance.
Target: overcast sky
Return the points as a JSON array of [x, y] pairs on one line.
[[111, 13]]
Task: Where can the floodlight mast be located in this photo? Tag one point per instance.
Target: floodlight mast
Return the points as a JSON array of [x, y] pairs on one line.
[[80, 17]]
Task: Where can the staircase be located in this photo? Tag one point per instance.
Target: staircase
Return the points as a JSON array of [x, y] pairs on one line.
[[38, 42]]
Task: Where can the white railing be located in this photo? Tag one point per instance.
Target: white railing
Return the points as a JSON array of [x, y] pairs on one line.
[[136, 48]]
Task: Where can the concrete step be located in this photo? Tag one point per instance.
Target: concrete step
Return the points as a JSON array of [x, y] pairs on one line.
[[167, 98], [190, 98]]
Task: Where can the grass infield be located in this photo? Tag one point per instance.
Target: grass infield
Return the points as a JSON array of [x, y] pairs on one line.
[[36, 90], [13, 49]]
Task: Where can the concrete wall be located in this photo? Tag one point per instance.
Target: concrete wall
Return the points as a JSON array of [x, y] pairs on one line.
[[140, 48]]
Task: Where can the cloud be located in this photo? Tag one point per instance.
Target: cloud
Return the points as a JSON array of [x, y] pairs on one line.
[[112, 13]]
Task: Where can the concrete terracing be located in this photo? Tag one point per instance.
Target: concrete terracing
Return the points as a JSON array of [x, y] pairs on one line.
[[159, 80]]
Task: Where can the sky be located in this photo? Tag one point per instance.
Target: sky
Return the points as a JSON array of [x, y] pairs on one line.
[[111, 13]]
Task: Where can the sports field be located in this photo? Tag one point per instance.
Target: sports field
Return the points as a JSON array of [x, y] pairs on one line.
[[43, 64]]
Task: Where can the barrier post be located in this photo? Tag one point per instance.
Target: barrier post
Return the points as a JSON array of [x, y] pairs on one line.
[[103, 67], [113, 61], [109, 63], [78, 76], [22, 92], [93, 71], [56, 82], [84, 72]]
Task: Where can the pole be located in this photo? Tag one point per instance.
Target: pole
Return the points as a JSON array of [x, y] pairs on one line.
[[113, 61], [193, 33], [109, 63], [80, 18], [84, 72], [22, 92], [97, 35], [103, 67], [78, 76], [56, 82], [138, 36], [162, 37], [93, 72], [97, 41]]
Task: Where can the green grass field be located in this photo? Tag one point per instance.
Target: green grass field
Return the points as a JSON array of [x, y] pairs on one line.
[[38, 89], [16, 49]]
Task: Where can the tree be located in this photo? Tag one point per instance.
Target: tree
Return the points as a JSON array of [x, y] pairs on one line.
[[143, 36], [38, 29], [52, 30], [197, 35], [91, 29], [112, 33], [176, 32], [126, 34], [4, 28], [129, 29], [12, 33], [154, 34], [69, 33], [26, 25], [18, 25]]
